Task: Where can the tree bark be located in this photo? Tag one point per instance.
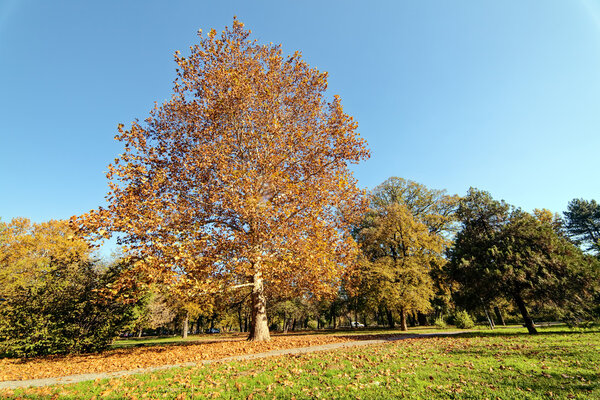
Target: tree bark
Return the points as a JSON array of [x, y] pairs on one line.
[[412, 320], [140, 331], [403, 326], [390, 318], [184, 328], [523, 309], [499, 315], [259, 327]]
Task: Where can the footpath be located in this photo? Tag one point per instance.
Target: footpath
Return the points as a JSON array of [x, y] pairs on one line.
[[301, 350]]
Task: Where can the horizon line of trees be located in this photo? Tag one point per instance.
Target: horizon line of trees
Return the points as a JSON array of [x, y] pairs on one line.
[[425, 257]]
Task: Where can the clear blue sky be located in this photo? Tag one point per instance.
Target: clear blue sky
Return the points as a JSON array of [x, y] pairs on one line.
[[499, 95]]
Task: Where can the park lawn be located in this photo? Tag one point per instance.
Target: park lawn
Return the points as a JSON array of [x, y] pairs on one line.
[[129, 358], [200, 338], [505, 364]]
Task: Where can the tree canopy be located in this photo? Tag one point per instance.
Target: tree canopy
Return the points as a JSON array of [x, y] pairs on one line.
[[27, 250], [401, 241], [242, 176], [504, 252], [582, 223]]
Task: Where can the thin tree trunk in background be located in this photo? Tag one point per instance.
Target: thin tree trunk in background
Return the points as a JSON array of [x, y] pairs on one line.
[[412, 320], [487, 315], [422, 318], [526, 317], [240, 320], [184, 328], [334, 315], [390, 318], [199, 324], [260, 327], [286, 323], [499, 315], [140, 331]]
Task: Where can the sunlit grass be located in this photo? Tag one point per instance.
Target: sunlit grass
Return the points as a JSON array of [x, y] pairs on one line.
[[505, 363]]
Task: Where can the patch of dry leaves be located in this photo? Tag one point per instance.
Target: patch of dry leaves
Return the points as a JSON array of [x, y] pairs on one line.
[[151, 356]]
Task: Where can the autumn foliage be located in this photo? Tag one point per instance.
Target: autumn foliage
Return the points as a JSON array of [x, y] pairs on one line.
[[240, 178], [54, 298]]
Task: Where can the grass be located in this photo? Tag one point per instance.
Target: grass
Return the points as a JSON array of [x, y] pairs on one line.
[[505, 364], [164, 340]]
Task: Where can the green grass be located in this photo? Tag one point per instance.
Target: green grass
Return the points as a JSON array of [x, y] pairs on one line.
[[505, 364]]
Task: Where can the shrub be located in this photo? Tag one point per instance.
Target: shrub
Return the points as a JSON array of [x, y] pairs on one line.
[[440, 323], [75, 308], [463, 320]]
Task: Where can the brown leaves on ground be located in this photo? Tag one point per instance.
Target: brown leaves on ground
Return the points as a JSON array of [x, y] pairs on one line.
[[151, 356]]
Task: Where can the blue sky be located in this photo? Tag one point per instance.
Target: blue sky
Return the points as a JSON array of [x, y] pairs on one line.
[[503, 96]]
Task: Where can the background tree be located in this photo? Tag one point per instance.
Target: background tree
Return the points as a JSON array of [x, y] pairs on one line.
[[582, 223], [27, 249], [401, 240], [241, 178], [505, 252]]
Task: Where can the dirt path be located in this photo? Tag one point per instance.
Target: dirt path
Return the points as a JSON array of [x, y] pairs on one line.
[[301, 350]]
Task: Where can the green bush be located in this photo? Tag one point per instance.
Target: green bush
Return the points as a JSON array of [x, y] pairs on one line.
[[463, 320], [76, 308], [440, 323]]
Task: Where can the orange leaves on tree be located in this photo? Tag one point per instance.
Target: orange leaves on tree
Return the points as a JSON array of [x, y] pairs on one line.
[[242, 176]]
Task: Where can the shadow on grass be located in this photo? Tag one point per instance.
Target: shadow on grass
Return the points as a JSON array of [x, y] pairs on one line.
[[541, 332]]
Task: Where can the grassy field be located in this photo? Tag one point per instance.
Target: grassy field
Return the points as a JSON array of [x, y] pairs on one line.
[[152, 341], [505, 364]]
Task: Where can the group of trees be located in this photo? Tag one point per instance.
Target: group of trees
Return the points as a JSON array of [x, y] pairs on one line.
[[502, 252], [237, 193]]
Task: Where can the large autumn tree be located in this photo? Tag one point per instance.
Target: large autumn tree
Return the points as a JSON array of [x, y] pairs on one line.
[[241, 177]]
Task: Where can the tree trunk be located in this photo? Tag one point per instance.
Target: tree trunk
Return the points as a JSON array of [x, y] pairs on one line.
[[200, 324], [422, 319], [240, 320], [403, 326], [333, 316], [528, 321], [259, 327], [499, 315], [140, 331], [390, 318], [284, 328], [489, 318], [412, 320], [184, 328]]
